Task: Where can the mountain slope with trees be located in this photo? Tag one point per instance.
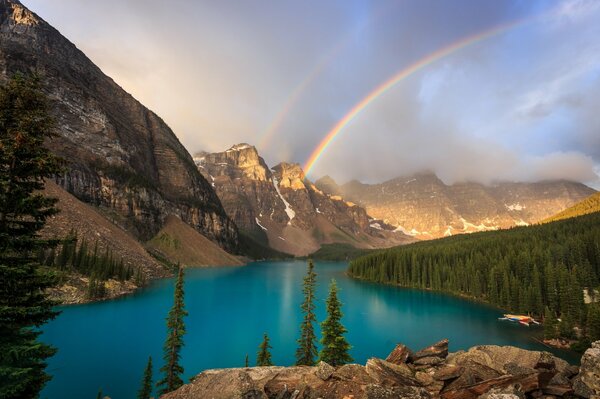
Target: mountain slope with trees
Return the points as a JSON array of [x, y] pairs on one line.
[[524, 269], [589, 205]]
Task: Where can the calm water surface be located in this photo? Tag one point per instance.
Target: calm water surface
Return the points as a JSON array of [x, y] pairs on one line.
[[106, 345]]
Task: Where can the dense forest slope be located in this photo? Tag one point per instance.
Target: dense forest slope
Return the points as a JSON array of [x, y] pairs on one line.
[[524, 269], [94, 230], [121, 156], [589, 205]]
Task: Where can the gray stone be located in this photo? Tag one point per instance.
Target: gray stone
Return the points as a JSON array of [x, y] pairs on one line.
[[324, 371]]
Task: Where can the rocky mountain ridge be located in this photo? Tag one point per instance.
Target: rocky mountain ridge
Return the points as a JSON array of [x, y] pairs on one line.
[[279, 206], [121, 156], [425, 207], [488, 371]]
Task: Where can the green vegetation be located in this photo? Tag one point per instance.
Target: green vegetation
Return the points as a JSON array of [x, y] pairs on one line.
[[254, 250], [335, 349], [335, 252], [172, 370], [589, 205], [524, 269], [25, 124], [307, 343], [263, 357], [146, 389], [98, 264]]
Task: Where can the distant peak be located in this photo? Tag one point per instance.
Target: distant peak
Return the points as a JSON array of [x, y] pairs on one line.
[[240, 147]]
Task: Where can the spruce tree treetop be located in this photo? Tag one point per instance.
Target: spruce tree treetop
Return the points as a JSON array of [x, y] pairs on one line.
[[175, 331], [25, 126], [146, 388], [335, 349], [263, 357], [307, 343]]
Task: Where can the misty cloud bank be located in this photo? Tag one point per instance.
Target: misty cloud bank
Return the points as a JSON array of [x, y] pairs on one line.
[[523, 105]]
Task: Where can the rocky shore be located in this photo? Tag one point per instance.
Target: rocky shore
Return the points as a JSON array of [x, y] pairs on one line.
[[490, 372]]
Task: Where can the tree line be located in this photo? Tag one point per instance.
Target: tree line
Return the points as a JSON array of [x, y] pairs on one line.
[[540, 270]]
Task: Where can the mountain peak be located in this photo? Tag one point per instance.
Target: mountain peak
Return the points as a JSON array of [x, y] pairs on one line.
[[241, 146], [240, 160], [290, 175], [17, 14]]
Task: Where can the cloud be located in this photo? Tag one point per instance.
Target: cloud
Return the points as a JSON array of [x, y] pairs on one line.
[[522, 105]]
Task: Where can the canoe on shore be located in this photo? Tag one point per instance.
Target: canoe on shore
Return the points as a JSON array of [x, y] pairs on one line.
[[525, 320]]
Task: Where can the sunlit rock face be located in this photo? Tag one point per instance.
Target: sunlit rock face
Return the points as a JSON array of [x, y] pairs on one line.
[[423, 206], [121, 156], [281, 208]]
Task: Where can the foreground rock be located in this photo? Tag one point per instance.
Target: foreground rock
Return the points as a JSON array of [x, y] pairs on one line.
[[490, 372]]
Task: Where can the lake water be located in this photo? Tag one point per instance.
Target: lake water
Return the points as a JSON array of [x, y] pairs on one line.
[[106, 345]]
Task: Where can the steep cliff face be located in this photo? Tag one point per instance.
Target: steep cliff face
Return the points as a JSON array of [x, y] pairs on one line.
[[425, 207], [281, 208], [121, 156]]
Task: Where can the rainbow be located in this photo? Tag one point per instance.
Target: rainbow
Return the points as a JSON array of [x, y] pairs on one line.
[[296, 94], [394, 80]]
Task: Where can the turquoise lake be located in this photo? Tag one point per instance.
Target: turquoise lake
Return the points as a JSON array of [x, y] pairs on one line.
[[106, 345]]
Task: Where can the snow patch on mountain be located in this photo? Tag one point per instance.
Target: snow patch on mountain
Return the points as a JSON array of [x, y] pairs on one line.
[[260, 225], [376, 226], [514, 207], [288, 209]]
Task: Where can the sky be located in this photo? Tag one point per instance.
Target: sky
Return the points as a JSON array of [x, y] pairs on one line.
[[521, 105]]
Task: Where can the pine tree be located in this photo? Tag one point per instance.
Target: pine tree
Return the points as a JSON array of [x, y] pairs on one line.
[[335, 349], [25, 125], [246, 363], [550, 324], [263, 357], [146, 389], [99, 394], [307, 349], [175, 331], [593, 322]]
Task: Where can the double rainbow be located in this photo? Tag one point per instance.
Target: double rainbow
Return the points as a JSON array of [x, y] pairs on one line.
[[397, 78], [275, 124]]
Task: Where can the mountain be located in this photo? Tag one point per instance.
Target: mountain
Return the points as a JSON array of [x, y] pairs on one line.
[[589, 205], [121, 156], [281, 208], [94, 228], [423, 206], [179, 242]]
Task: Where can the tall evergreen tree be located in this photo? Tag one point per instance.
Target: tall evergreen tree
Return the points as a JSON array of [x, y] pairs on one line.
[[172, 370], [307, 343], [335, 349], [246, 363], [25, 124], [263, 357], [550, 324], [593, 322], [146, 389]]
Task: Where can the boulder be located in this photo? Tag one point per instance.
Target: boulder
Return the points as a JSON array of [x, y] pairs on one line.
[[324, 371], [587, 383], [471, 374], [525, 384], [429, 361], [390, 374], [497, 357], [378, 392], [448, 373], [400, 355], [439, 349]]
